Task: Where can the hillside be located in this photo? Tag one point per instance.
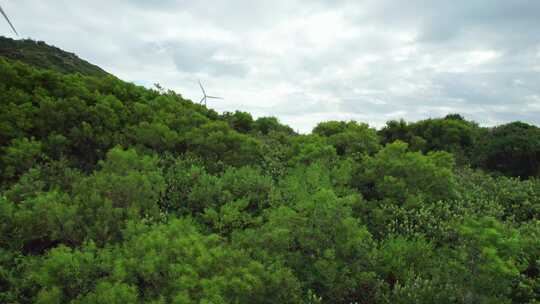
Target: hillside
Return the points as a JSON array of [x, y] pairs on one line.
[[42, 55], [114, 193]]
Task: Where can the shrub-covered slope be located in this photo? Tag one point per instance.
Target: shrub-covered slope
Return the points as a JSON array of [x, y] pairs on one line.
[[113, 193], [39, 54]]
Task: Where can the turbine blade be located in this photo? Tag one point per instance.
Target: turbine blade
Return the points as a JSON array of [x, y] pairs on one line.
[[9, 22], [204, 92], [214, 97], [204, 98]]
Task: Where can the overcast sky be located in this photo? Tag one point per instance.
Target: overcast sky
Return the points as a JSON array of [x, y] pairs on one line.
[[310, 61]]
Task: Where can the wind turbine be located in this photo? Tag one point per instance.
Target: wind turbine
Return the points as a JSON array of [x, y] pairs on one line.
[[206, 96], [9, 22]]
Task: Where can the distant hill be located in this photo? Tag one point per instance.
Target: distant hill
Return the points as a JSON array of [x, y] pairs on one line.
[[42, 55]]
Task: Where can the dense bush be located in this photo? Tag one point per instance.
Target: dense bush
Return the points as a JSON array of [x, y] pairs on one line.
[[113, 193]]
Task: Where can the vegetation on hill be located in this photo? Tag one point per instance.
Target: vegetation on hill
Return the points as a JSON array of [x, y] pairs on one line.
[[42, 55], [113, 193]]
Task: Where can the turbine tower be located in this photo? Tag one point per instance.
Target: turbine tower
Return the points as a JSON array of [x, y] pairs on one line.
[[203, 99], [9, 22]]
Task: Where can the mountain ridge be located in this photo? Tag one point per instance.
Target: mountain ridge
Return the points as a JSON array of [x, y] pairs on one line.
[[45, 56]]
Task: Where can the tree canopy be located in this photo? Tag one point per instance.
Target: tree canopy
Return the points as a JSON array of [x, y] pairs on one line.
[[115, 193]]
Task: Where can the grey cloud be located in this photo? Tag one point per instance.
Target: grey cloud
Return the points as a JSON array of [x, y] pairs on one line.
[[203, 57]]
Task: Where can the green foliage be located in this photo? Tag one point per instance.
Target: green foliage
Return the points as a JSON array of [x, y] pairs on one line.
[[502, 197], [38, 53], [400, 176], [232, 200], [310, 149], [512, 149], [19, 156], [485, 267], [170, 263], [349, 138], [114, 193], [528, 287], [217, 143], [266, 125], [452, 134], [400, 261], [127, 187], [326, 247], [239, 121]]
